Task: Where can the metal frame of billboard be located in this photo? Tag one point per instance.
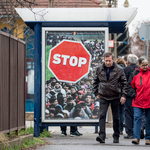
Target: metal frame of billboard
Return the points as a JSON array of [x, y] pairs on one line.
[[43, 120]]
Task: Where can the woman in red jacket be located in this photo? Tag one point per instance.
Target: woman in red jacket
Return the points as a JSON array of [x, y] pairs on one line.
[[139, 89]]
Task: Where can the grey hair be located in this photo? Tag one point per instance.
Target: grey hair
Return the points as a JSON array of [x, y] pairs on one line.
[[132, 59], [143, 59]]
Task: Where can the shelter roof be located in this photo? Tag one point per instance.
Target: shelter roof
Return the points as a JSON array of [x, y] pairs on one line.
[[79, 17]]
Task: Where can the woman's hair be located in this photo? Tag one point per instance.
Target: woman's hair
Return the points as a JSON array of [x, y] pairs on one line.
[[76, 112], [60, 99], [142, 60], [121, 61], [125, 57]]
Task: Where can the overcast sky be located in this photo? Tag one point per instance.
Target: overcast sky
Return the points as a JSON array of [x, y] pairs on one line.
[[143, 11]]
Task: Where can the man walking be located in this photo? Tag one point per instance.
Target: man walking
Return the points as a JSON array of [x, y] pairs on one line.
[[131, 62], [106, 85]]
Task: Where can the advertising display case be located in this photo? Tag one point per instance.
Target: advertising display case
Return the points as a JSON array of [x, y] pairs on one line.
[[70, 57]]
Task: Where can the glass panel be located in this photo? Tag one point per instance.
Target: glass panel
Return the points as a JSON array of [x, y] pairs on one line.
[[68, 100]]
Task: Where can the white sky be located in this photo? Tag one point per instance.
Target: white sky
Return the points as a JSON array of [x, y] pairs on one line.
[[143, 12]]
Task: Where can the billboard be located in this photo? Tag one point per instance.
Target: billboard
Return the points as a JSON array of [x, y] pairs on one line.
[[69, 53]]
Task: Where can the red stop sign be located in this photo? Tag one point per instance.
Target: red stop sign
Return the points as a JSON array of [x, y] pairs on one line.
[[69, 61]]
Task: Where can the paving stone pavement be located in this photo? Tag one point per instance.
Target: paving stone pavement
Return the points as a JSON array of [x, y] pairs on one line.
[[88, 142]]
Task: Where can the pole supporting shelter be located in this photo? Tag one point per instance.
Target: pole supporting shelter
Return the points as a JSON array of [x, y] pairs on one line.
[[115, 19]]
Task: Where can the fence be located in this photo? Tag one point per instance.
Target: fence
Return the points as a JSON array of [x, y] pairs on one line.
[[12, 83]]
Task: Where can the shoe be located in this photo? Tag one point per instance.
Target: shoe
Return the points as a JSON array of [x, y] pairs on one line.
[[128, 136], [142, 134], [147, 142], [79, 133], [135, 141], [116, 140], [100, 139], [63, 133], [76, 133], [121, 132]]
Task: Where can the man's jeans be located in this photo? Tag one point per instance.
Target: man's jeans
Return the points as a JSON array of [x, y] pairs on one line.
[[115, 112], [137, 122]]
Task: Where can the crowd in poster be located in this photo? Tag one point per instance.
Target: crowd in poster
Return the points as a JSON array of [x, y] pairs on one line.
[[65, 100]]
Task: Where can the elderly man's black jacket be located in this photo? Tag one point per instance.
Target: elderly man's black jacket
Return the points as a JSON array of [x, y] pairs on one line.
[[109, 90]]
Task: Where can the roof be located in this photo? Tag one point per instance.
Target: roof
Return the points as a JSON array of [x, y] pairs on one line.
[[79, 17], [67, 3], [41, 3], [5, 4], [76, 3], [76, 14], [6, 9]]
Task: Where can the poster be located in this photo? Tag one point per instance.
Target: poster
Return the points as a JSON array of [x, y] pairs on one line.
[[67, 101]]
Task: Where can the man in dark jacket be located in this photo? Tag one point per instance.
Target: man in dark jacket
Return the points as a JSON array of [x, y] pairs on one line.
[[131, 62], [106, 84]]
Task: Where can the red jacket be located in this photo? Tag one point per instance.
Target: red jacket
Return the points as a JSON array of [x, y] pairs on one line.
[[139, 88]]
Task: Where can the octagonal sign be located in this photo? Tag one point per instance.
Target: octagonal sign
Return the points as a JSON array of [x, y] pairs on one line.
[[69, 61]]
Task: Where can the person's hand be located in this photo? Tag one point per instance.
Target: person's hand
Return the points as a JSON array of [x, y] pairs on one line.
[[122, 100]]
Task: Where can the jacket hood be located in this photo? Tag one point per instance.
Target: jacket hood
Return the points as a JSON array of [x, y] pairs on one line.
[[140, 70], [122, 65], [57, 90]]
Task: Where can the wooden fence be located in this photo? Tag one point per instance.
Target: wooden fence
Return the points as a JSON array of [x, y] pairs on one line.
[[12, 83]]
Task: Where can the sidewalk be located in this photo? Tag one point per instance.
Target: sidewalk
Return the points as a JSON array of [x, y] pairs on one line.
[[88, 142]]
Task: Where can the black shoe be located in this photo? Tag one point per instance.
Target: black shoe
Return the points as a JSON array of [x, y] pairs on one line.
[[63, 133], [79, 133], [142, 134], [76, 133], [121, 132], [100, 139], [128, 136], [116, 140]]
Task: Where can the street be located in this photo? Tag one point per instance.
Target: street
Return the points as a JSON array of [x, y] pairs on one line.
[[88, 142]]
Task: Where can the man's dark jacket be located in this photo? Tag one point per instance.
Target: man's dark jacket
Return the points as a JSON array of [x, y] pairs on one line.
[[128, 71], [109, 90]]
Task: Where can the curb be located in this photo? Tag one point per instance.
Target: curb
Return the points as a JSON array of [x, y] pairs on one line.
[[18, 141]]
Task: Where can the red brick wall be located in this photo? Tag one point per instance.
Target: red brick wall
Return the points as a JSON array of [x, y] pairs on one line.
[[76, 3]]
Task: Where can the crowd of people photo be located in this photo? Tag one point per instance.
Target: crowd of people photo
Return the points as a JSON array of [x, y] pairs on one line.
[[69, 100], [74, 100]]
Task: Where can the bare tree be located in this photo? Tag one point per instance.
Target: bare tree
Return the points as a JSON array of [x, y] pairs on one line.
[[9, 16], [9, 19], [136, 44]]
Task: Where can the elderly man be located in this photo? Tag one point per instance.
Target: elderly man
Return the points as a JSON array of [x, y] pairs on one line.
[[131, 62], [108, 77]]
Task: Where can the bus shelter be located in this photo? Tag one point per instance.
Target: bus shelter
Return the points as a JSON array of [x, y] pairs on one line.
[[53, 28]]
